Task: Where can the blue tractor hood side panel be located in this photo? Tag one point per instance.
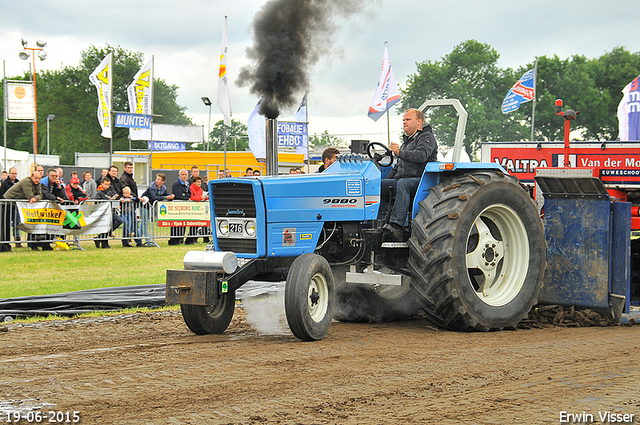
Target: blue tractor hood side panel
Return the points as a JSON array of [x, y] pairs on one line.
[[341, 193]]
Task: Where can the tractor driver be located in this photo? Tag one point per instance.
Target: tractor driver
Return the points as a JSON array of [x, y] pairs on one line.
[[418, 147]]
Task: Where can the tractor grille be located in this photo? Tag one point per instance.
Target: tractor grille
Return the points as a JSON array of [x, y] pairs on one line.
[[234, 200]]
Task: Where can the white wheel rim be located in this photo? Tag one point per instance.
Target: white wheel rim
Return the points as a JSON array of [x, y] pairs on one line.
[[318, 297], [497, 256]]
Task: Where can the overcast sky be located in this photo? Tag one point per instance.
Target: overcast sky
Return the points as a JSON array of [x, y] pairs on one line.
[[185, 39]]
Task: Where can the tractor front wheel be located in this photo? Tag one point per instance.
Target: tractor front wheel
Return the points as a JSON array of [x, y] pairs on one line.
[[210, 319]]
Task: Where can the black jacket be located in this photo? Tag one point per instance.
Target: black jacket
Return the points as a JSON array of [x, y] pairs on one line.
[[127, 180], [6, 185], [52, 192], [116, 186], [182, 191], [414, 154]]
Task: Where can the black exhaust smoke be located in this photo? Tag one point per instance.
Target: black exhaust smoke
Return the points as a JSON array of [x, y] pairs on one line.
[[289, 36]]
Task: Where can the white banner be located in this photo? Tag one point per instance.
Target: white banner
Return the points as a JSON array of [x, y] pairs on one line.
[[45, 217], [140, 92], [255, 129], [102, 78], [224, 101], [169, 133], [19, 101], [629, 112]]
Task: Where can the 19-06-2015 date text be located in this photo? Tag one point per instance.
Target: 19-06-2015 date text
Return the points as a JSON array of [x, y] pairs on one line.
[[41, 416]]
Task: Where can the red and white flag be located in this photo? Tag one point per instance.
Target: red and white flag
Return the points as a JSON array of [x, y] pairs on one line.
[[387, 93]]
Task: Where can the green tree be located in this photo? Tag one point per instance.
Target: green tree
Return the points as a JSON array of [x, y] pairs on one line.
[[237, 137], [325, 140], [469, 73], [69, 95]]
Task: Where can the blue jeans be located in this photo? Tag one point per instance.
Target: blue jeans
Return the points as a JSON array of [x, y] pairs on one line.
[[405, 191]]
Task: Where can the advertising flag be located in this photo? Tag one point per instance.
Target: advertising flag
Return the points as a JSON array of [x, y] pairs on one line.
[[255, 129], [387, 93], [522, 91], [301, 116], [629, 112], [224, 102], [102, 78], [140, 93]]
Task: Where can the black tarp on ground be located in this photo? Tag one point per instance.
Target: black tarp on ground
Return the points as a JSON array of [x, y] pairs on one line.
[[105, 299], [70, 303]]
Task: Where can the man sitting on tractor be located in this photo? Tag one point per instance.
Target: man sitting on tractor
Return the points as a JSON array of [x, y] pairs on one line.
[[418, 147]]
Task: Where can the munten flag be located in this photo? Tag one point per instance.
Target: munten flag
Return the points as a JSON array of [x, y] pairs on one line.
[[140, 94], [387, 93], [629, 112], [224, 102], [102, 78]]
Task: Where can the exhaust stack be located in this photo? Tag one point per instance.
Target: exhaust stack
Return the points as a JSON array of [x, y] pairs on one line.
[[271, 133]]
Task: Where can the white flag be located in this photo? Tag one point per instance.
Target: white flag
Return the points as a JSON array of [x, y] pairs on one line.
[[140, 94], [255, 129], [224, 102], [387, 93], [102, 78]]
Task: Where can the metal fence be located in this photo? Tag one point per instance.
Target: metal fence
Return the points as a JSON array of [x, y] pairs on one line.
[[133, 223]]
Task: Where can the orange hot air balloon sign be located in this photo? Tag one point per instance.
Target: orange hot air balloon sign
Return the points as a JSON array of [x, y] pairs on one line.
[[20, 92], [223, 67]]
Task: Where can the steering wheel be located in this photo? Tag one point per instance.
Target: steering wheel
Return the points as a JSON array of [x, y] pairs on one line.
[[377, 157]]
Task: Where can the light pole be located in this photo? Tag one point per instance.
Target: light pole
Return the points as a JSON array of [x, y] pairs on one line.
[[207, 102], [49, 119], [24, 56]]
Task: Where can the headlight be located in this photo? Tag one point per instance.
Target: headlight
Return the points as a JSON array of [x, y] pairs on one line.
[[250, 227], [223, 227]]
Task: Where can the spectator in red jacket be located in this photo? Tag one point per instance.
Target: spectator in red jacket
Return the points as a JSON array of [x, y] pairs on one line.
[[75, 192], [197, 195]]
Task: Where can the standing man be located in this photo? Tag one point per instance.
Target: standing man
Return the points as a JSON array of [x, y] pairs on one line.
[[328, 158], [116, 186], [418, 147], [25, 189], [181, 192], [12, 211], [157, 192], [127, 180], [195, 172]]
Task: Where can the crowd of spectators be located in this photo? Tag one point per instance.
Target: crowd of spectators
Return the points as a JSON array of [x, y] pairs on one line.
[[121, 191]]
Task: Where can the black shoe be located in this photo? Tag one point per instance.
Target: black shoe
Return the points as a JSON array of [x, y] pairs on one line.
[[5, 248], [34, 248], [47, 247], [205, 240], [393, 232], [105, 244], [127, 245], [97, 244]]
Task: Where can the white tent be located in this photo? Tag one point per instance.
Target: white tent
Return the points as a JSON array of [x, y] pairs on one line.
[[12, 158]]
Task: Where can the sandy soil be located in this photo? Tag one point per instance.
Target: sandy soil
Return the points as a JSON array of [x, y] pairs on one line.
[[149, 369]]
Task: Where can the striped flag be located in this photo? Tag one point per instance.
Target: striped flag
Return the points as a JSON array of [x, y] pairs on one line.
[[224, 102], [524, 90], [629, 112], [387, 93]]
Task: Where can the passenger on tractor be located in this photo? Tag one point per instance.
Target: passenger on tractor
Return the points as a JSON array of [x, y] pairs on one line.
[[418, 147]]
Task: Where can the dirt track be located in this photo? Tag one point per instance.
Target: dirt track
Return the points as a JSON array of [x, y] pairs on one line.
[[149, 369]]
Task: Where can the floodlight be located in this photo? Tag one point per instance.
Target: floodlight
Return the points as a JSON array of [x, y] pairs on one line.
[[50, 117], [42, 55], [206, 101], [41, 44], [24, 42], [24, 55]]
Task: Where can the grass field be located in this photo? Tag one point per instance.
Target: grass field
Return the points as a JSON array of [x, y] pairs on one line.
[[24, 272]]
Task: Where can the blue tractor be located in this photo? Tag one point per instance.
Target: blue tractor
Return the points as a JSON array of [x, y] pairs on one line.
[[474, 260]]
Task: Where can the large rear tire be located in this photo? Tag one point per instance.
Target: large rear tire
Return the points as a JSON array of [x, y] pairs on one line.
[[309, 297], [207, 319], [477, 252]]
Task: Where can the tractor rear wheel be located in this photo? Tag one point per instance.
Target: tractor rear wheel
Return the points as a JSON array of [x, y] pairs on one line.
[[477, 252], [210, 319], [309, 297]]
